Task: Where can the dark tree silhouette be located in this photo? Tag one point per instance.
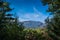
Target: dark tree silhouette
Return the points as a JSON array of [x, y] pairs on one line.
[[53, 24]]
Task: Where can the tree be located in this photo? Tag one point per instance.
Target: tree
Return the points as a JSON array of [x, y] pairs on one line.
[[9, 27], [53, 24], [6, 20]]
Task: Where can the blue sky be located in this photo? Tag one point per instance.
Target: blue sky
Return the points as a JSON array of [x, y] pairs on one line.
[[29, 10]]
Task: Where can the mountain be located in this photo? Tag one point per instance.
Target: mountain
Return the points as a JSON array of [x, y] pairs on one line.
[[32, 24]]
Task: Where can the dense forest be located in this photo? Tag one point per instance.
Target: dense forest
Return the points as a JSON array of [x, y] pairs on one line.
[[10, 29]]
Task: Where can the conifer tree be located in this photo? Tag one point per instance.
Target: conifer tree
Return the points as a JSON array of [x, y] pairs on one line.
[[9, 29], [53, 24]]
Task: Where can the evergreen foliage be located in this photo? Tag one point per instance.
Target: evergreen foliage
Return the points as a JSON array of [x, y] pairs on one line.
[[53, 24]]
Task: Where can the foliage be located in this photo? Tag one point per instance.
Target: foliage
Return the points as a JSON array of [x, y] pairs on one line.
[[36, 34], [10, 29], [53, 24]]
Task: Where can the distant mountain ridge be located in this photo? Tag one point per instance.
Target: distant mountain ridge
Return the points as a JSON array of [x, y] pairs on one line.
[[32, 24]]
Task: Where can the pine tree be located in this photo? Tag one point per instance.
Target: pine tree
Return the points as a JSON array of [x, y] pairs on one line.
[[7, 22], [4, 18], [9, 26], [53, 24]]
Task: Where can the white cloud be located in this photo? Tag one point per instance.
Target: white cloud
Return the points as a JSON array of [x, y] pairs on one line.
[[38, 12], [35, 16], [31, 15]]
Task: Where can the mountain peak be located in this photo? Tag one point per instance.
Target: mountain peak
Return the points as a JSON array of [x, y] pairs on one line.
[[32, 24]]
